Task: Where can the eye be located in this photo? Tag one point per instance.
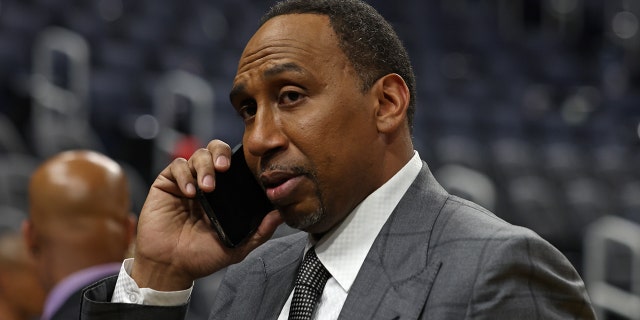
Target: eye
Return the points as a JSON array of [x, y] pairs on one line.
[[290, 97], [248, 109]]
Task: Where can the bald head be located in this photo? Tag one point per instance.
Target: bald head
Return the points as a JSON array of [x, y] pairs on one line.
[[78, 185], [79, 212]]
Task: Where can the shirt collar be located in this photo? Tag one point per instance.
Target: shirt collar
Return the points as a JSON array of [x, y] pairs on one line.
[[343, 250]]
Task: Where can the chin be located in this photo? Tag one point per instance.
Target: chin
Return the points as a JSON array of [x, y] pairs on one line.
[[305, 221]]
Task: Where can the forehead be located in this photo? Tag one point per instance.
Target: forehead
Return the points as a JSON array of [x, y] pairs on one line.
[[299, 25], [304, 37]]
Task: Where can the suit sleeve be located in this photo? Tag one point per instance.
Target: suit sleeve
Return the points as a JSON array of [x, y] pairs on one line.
[[96, 305], [527, 278]]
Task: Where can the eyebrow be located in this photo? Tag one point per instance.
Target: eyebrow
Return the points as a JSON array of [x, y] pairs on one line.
[[236, 91], [272, 72], [281, 68]]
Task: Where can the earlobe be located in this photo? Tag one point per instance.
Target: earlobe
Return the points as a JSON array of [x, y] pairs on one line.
[[393, 100]]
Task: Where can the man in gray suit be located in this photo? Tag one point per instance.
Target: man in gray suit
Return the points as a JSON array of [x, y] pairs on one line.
[[327, 95]]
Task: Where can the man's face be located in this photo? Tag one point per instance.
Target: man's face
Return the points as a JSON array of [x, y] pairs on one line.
[[310, 131]]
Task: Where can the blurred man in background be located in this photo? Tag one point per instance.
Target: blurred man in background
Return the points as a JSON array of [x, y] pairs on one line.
[[21, 295], [79, 227]]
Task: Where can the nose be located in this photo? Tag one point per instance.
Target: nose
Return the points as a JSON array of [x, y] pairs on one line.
[[264, 134]]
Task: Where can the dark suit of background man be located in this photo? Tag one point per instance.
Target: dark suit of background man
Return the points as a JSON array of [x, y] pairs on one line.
[[327, 96], [79, 227]]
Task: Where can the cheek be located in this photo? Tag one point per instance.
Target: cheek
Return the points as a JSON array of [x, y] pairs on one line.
[[335, 137], [332, 125]]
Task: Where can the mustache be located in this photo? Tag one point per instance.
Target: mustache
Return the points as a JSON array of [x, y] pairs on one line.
[[296, 170]]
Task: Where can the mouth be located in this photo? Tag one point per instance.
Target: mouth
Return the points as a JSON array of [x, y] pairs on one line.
[[280, 185], [274, 178]]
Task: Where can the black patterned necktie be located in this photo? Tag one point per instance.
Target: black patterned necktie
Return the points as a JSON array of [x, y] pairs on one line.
[[310, 281]]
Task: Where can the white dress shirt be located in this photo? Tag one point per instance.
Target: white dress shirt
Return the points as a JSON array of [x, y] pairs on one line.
[[342, 251]]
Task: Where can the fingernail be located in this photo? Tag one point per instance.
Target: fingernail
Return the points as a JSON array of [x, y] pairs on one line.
[[191, 189], [221, 161], [207, 181]]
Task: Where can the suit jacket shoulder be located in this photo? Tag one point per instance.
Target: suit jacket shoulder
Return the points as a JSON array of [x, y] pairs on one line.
[[503, 270], [443, 257]]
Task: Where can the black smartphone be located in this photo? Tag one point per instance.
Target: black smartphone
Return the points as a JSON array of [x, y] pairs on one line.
[[238, 203]]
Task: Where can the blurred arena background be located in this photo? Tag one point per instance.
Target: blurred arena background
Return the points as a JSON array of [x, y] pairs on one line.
[[528, 107]]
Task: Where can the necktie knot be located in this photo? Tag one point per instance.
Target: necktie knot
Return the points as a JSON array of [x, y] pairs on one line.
[[310, 281]]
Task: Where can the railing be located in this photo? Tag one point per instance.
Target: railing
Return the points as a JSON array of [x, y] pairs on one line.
[[604, 295], [200, 95]]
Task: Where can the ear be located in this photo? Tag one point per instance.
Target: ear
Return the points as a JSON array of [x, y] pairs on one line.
[[30, 237], [393, 101]]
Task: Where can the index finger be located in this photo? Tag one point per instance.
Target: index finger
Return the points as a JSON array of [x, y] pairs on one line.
[[221, 155], [205, 162]]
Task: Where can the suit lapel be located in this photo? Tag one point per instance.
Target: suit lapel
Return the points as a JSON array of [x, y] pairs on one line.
[[279, 272], [260, 286], [396, 277]]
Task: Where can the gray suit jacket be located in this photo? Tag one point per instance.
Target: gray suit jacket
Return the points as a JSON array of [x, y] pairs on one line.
[[437, 257]]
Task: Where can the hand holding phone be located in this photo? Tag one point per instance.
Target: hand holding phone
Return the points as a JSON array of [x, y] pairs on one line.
[[238, 203]]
